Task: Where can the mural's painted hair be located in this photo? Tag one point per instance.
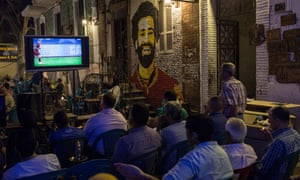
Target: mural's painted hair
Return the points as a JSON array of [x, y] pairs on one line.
[[145, 9]]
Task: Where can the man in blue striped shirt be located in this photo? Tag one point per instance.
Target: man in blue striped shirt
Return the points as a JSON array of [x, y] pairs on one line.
[[285, 141]]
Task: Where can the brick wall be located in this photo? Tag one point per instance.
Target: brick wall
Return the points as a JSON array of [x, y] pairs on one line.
[[204, 53], [267, 88], [211, 51], [262, 17], [171, 62], [190, 48]]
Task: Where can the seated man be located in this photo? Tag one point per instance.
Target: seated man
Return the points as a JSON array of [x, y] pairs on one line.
[[240, 154], [172, 134], [285, 141], [31, 163], [59, 88], [10, 104], [106, 120], [215, 110], [28, 120], [63, 131], [206, 161], [171, 96], [141, 139]]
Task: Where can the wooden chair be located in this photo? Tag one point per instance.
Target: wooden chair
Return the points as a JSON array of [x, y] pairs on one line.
[[291, 160], [109, 139], [59, 174], [179, 150]]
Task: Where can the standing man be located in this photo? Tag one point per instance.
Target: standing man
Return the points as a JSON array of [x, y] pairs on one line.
[[233, 92], [147, 77]]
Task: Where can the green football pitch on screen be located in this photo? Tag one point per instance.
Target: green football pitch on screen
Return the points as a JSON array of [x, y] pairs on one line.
[[57, 61]]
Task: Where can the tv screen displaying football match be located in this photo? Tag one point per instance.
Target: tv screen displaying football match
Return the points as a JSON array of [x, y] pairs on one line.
[[57, 52], [51, 53]]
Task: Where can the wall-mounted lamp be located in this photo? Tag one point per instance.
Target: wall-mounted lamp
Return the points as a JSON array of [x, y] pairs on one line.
[[169, 3], [84, 22], [90, 21]]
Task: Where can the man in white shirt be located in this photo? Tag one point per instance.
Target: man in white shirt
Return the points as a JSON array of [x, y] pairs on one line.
[[106, 120], [31, 164], [241, 155]]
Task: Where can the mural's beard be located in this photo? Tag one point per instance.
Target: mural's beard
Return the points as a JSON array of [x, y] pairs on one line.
[[146, 59]]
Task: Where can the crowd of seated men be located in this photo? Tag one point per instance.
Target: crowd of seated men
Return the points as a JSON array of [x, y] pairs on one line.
[[217, 149]]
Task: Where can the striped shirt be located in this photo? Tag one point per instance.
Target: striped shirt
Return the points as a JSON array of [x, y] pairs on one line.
[[233, 93], [285, 141]]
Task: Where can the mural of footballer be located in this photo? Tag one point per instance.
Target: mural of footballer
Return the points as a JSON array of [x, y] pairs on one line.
[[147, 77]]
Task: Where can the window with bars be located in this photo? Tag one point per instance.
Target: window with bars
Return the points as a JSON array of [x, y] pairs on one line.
[[165, 27]]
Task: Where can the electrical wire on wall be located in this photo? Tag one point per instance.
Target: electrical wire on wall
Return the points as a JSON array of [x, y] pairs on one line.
[[7, 65]]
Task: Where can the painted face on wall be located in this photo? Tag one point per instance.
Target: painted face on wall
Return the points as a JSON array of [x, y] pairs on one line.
[[146, 41]]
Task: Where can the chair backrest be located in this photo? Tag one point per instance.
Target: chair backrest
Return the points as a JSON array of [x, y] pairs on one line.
[[110, 139], [291, 161], [179, 150], [243, 172], [59, 174], [88, 94], [146, 162], [90, 168], [66, 148]]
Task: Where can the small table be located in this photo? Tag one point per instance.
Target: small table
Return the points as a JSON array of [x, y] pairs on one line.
[[92, 105]]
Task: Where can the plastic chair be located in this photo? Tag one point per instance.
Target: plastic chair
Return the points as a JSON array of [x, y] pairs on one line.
[[90, 168], [76, 108], [110, 139], [13, 116], [88, 94], [146, 162], [66, 149], [291, 160], [59, 174], [172, 156]]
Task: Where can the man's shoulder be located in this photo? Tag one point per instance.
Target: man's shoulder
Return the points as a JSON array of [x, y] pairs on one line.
[[75, 131], [241, 147], [218, 116], [290, 135], [105, 118]]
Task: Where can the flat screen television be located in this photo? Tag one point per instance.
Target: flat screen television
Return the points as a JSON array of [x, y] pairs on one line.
[[52, 53]]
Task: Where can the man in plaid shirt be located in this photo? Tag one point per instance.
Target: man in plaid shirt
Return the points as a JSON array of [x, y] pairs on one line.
[[233, 92]]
